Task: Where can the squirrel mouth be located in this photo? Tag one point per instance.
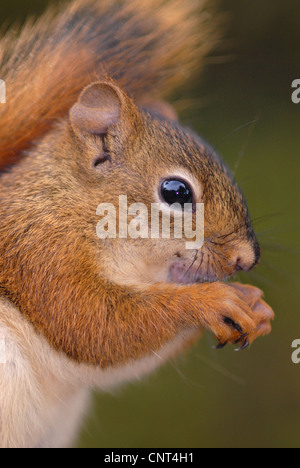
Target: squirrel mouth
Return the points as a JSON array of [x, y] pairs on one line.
[[181, 273]]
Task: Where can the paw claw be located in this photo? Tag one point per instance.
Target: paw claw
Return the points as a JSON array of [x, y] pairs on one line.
[[244, 345], [232, 324], [221, 345], [240, 315]]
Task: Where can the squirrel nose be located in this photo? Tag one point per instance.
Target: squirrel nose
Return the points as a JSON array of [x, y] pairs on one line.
[[247, 256]]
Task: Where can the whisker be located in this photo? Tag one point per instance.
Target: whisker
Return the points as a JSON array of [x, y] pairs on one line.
[[214, 149], [243, 151], [274, 247], [216, 253], [220, 369], [199, 266], [260, 278], [186, 380], [192, 264], [235, 231], [281, 229], [288, 275], [157, 355], [265, 217]]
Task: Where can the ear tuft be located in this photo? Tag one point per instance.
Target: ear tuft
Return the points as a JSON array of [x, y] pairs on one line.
[[98, 108]]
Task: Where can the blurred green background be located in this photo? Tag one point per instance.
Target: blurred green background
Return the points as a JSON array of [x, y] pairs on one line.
[[210, 398]]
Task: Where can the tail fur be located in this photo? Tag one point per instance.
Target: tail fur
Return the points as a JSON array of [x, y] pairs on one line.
[[148, 46]]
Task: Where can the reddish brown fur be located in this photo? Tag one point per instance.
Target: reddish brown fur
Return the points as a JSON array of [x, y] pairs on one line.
[[57, 272], [45, 70], [69, 284]]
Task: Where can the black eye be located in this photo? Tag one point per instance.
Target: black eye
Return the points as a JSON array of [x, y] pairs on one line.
[[176, 191]]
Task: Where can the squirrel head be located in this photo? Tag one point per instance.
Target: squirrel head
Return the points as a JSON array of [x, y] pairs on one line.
[[144, 156], [53, 265]]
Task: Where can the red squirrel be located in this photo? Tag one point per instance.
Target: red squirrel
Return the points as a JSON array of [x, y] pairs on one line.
[[85, 122]]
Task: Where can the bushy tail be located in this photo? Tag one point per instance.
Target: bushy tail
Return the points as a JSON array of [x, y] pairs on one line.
[[149, 46]]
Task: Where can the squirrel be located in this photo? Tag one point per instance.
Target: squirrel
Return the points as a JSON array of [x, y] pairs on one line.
[[85, 121]]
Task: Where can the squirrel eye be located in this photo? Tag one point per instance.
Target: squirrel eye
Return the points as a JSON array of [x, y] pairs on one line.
[[176, 191]]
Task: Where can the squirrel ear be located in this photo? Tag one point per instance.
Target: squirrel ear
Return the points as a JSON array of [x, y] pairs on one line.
[[100, 106]]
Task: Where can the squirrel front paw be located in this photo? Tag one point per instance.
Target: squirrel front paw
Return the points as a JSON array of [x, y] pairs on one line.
[[240, 315], [261, 312]]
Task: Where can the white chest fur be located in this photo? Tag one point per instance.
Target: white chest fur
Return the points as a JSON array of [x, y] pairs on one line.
[[43, 394]]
